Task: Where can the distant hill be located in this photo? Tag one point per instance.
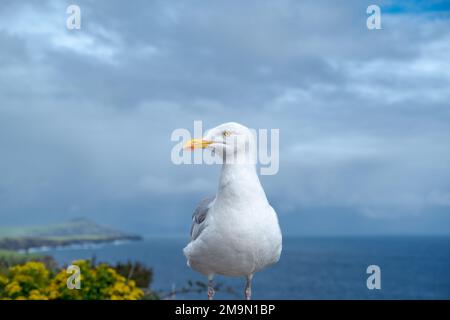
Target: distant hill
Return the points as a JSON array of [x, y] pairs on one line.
[[75, 231]]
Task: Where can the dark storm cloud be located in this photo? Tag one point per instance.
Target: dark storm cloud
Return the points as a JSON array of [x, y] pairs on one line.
[[86, 116]]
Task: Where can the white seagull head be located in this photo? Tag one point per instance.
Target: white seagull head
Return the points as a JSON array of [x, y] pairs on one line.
[[234, 142]]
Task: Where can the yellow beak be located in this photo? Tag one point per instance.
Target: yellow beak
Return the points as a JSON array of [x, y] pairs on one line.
[[196, 144]]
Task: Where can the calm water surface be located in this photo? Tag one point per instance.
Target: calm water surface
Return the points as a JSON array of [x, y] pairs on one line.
[[310, 268]]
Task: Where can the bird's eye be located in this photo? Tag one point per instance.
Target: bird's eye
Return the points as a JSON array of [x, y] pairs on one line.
[[226, 133]]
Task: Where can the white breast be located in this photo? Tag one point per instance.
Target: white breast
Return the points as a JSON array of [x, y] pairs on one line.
[[242, 235]]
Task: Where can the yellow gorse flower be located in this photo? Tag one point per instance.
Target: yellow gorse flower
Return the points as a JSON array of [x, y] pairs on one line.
[[33, 281]]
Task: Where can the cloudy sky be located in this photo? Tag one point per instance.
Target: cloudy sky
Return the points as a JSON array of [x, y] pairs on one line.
[[364, 115]]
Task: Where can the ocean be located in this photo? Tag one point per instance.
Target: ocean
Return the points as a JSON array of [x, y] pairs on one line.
[[309, 268]]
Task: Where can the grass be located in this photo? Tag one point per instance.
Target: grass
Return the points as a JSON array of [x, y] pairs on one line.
[[9, 257], [71, 232], [73, 228], [14, 255]]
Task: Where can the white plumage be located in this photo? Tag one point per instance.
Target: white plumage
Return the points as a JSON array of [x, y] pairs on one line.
[[236, 233]]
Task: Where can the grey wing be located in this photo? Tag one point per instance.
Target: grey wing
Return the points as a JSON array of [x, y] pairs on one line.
[[199, 217]]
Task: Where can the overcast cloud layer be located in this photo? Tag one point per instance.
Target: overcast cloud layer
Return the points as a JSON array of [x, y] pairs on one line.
[[364, 116]]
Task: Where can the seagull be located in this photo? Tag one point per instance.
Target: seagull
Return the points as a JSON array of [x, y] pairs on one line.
[[235, 233]]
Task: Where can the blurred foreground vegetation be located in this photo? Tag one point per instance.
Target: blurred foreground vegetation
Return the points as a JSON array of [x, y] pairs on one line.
[[25, 276], [39, 279]]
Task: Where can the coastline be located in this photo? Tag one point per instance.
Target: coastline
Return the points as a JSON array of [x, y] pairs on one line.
[[31, 244]]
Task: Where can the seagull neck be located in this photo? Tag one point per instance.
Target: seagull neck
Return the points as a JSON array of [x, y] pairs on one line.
[[240, 179]]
